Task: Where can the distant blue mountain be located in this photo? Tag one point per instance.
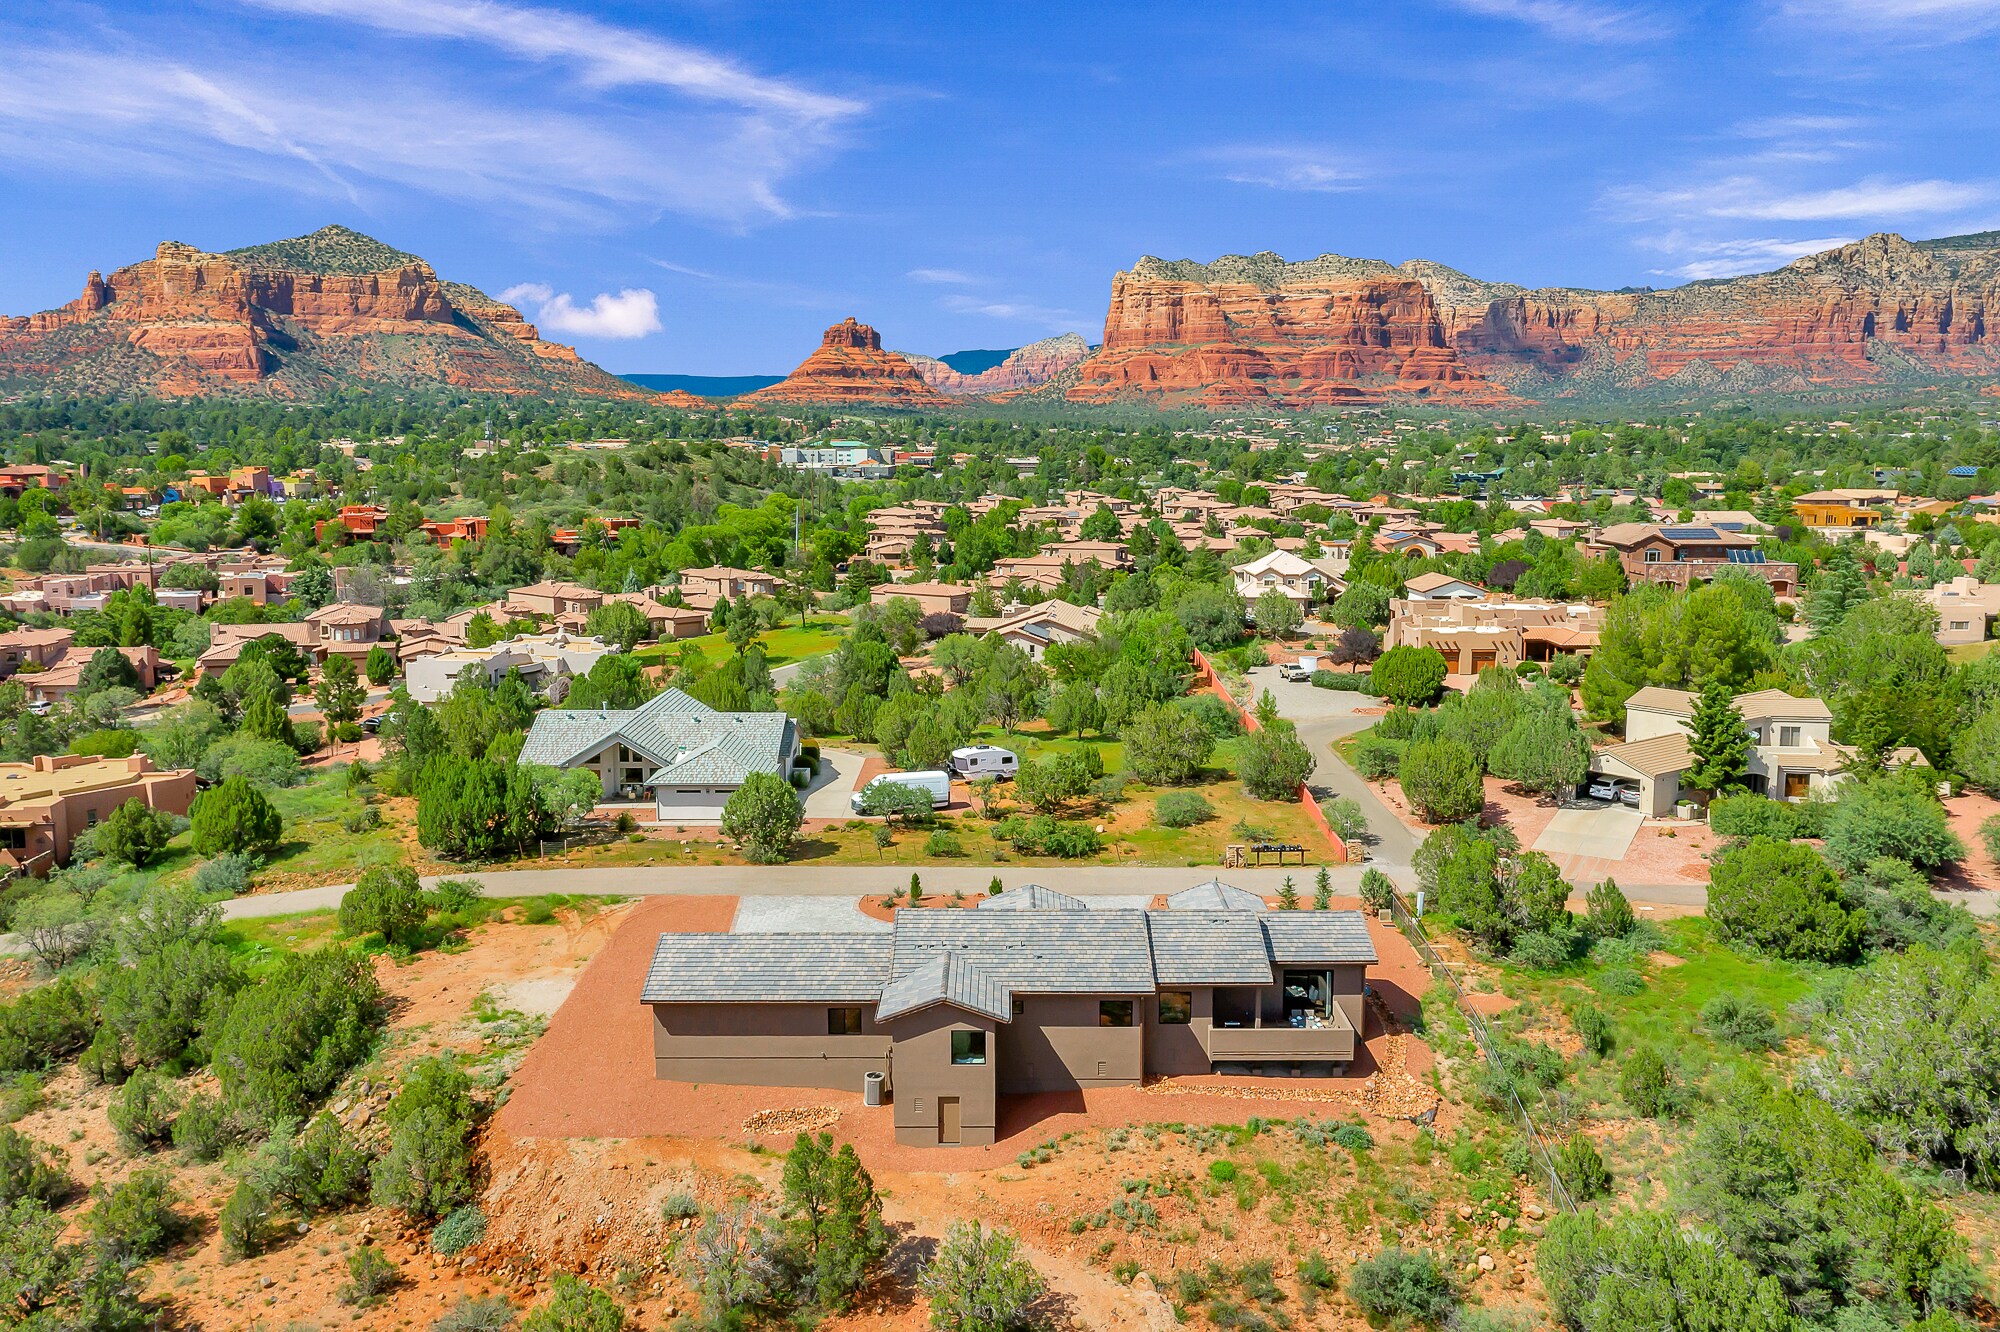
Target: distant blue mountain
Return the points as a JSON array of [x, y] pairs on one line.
[[706, 386], [976, 362]]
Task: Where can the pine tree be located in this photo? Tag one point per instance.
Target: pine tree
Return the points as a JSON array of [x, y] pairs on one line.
[[1719, 742], [1842, 586]]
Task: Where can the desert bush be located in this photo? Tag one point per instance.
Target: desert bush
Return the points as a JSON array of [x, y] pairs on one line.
[[489, 1314], [366, 819], [144, 1109], [291, 1036], [103, 1060], [1750, 815], [1442, 780], [1781, 898], [1403, 1284], [369, 1277], [1182, 809], [226, 875], [47, 1024], [164, 1004], [203, 1128], [1607, 914], [1378, 757], [460, 1230], [388, 900], [679, 1206], [428, 1168], [28, 1169], [1646, 1083], [138, 1217], [1378, 890], [978, 1282], [314, 1170], [235, 816], [944, 845], [577, 1306], [1593, 1028], [1740, 1022], [1582, 1169], [245, 1221]]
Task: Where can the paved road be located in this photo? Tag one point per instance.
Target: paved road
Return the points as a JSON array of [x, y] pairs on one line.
[[1324, 717]]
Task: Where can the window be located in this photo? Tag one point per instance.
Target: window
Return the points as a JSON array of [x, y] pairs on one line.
[[1114, 1012], [1176, 1007], [1020, 1007], [968, 1047], [1788, 737], [843, 1022], [1652, 557]]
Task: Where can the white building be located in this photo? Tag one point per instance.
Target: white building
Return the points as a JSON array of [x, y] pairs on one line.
[[1282, 571], [544, 660]]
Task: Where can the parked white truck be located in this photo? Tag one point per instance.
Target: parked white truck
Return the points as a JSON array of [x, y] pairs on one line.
[[1302, 669], [933, 782]]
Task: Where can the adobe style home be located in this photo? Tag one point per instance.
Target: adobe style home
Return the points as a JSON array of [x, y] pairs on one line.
[[1682, 557], [1032, 991]]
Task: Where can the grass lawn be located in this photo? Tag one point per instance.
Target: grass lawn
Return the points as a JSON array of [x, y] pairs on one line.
[[1964, 652], [821, 634]]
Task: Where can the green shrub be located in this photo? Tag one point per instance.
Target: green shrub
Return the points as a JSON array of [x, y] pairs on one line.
[[46, 1025], [291, 1036], [387, 901], [1645, 1082], [318, 1169], [29, 1169], [454, 896], [1378, 890], [138, 1217], [1620, 982], [978, 1282], [1582, 1169], [1182, 809], [170, 998], [245, 1221], [1593, 1028], [369, 1277], [1045, 836], [144, 1109], [1442, 780], [1222, 1172], [1751, 815], [235, 816], [1743, 1023], [489, 1314], [1403, 1284], [1410, 676], [226, 875], [366, 819], [103, 1061], [1781, 898], [1342, 681], [1607, 915], [576, 1306], [1896, 815], [1353, 1137], [428, 1169], [944, 845], [460, 1230], [1378, 757], [1400, 724], [203, 1128]]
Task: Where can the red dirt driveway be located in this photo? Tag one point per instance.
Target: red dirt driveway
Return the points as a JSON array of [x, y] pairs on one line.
[[592, 1075]]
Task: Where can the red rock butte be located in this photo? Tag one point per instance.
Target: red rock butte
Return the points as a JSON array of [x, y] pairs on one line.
[[850, 368], [292, 318]]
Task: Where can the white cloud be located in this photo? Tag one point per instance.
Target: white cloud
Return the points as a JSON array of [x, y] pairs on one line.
[[641, 127], [1749, 197], [632, 313], [1789, 127], [1971, 16], [1285, 167], [1729, 258], [943, 276], [1060, 321], [1573, 20], [610, 56]]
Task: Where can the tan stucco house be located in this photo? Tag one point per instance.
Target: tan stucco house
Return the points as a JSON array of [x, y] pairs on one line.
[[1033, 991]]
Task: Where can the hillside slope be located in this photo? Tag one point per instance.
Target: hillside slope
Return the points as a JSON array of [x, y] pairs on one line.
[[303, 318]]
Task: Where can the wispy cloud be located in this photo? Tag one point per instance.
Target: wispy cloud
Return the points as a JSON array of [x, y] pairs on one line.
[[639, 127], [1024, 312], [1285, 167], [609, 56], [631, 313], [1750, 197], [1794, 126], [1729, 258], [1923, 22], [1574, 20], [943, 276]]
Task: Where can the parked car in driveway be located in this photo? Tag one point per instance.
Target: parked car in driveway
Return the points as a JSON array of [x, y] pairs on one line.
[[1603, 789]]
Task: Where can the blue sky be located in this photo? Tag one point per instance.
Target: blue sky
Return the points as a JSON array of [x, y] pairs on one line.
[[702, 187]]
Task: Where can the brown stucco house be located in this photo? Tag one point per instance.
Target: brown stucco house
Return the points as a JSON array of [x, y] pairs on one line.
[[1034, 991]]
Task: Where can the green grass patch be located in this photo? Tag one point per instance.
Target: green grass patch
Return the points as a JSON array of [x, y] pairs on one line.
[[821, 634]]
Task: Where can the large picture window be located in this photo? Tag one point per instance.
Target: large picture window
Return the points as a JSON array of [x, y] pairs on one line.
[[968, 1047], [1176, 1008], [1114, 1012]]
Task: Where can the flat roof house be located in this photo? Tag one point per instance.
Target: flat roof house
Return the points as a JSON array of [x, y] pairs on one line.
[[1033, 991], [691, 756], [47, 804]]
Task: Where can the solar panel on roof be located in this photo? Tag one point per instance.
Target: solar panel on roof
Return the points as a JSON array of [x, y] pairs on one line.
[[1688, 533], [1738, 555]]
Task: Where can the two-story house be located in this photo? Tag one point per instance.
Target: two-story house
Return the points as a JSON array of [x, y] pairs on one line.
[[1792, 756], [1684, 556], [1281, 571]]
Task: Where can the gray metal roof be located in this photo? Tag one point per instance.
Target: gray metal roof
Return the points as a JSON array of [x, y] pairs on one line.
[[767, 968], [1215, 895], [691, 743], [1035, 952], [1209, 948], [1033, 897], [946, 978], [1303, 937]]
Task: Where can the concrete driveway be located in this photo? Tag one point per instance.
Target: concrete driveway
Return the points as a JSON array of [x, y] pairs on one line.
[[1324, 717], [769, 914], [1599, 831], [827, 797]]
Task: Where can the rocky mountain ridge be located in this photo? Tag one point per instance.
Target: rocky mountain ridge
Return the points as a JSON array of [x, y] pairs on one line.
[[1255, 328], [1024, 368], [294, 318]]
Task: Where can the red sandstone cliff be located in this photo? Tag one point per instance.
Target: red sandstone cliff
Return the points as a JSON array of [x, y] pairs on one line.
[[1880, 312], [1225, 335], [1025, 368], [851, 369], [294, 318]]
